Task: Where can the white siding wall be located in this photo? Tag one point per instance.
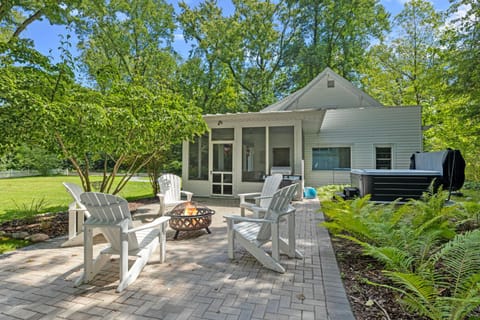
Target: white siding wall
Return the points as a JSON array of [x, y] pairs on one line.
[[362, 130]]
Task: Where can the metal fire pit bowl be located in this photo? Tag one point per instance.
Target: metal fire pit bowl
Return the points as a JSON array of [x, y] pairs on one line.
[[190, 216]]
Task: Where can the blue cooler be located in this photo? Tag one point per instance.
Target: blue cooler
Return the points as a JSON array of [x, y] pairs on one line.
[[309, 193]]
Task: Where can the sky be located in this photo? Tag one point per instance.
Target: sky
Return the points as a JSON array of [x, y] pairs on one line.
[[47, 37]]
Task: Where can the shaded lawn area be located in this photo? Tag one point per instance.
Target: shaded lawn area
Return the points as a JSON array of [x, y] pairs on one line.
[[28, 196]]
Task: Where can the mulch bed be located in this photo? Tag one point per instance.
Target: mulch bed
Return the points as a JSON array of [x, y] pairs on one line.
[[368, 301], [56, 224]]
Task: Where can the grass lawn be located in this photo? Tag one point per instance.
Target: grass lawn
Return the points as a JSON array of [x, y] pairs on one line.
[[23, 197]]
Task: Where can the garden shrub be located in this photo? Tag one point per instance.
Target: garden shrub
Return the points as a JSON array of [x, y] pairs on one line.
[[419, 247]]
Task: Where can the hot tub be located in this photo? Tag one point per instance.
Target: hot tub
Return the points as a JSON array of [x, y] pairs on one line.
[[389, 185]]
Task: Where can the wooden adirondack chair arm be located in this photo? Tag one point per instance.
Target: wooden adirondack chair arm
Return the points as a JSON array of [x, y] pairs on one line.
[[263, 197], [257, 199], [290, 210], [150, 225], [247, 219], [188, 194], [243, 196], [112, 216], [96, 223], [252, 236], [74, 206]]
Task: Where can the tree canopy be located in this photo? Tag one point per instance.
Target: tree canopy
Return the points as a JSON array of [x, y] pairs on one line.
[[128, 115], [127, 97]]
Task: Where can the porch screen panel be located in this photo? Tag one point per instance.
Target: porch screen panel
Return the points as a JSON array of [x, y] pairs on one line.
[[253, 154], [281, 146], [198, 158], [331, 158]]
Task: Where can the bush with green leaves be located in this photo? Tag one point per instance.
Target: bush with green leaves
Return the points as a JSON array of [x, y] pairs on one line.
[[446, 286], [37, 158], [392, 233], [418, 245]]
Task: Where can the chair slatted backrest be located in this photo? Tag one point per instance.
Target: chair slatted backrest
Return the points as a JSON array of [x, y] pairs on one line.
[[170, 185], [110, 209], [280, 203], [270, 186], [75, 191]]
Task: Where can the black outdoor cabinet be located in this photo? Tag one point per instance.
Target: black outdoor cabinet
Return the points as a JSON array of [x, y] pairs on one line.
[[290, 179]]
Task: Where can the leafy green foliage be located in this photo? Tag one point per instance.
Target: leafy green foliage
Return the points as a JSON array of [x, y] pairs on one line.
[[241, 52], [130, 116], [430, 60], [347, 216], [415, 228], [405, 67], [38, 159], [463, 40], [32, 208], [447, 287], [8, 244], [435, 270], [333, 33], [127, 42]]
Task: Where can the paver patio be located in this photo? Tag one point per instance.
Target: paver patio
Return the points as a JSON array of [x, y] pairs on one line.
[[198, 281]]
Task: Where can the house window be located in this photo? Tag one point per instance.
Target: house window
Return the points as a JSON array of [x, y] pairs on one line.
[[198, 158], [253, 154], [331, 158], [222, 134], [330, 83], [281, 157], [383, 157], [281, 145]]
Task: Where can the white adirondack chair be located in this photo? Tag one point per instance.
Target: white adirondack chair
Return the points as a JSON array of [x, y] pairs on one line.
[[253, 233], [76, 216], [111, 214], [262, 199], [170, 192]]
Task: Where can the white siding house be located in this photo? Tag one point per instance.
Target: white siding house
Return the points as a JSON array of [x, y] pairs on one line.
[[319, 133]]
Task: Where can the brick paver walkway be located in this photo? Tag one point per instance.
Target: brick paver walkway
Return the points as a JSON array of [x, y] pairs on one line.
[[198, 281]]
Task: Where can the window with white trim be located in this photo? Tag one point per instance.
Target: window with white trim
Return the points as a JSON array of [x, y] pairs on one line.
[[331, 158], [383, 157]]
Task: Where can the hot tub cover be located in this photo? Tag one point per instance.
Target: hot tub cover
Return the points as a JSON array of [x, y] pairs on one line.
[[449, 162]]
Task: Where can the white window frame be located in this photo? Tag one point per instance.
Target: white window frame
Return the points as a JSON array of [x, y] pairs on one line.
[[331, 147], [392, 154]]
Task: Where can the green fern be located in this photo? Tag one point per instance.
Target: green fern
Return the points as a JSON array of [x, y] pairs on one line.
[[418, 293], [393, 258], [426, 244], [412, 229], [436, 271], [448, 285], [460, 259], [470, 215], [347, 217]]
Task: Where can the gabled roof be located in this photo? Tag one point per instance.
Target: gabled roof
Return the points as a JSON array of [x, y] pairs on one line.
[[319, 94]]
